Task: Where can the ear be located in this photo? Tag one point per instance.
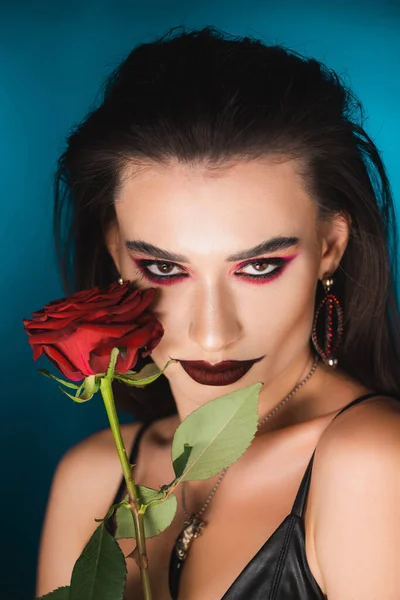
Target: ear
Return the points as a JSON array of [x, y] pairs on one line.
[[112, 238], [334, 238]]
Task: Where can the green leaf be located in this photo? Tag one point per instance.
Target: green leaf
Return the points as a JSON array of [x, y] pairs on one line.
[[66, 383], [158, 516], [181, 462], [61, 593], [218, 432], [125, 527], [100, 571], [148, 374]]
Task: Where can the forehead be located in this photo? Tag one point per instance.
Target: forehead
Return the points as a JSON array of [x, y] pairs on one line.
[[187, 205]]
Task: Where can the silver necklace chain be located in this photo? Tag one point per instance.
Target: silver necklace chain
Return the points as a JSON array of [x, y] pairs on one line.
[[264, 420]]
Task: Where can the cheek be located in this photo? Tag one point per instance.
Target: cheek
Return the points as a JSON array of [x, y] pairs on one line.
[[169, 308], [282, 312], [290, 316], [173, 343], [295, 313], [175, 314]]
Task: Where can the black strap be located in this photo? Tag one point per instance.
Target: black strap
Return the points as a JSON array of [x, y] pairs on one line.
[[133, 455], [301, 497]]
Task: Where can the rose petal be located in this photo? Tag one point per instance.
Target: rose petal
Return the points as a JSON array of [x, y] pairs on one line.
[[108, 330], [53, 336], [63, 364], [48, 325]]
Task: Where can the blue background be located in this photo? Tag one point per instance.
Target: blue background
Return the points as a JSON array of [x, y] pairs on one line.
[[53, 58]]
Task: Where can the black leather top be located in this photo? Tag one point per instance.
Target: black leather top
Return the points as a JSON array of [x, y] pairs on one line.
[[279, 570]]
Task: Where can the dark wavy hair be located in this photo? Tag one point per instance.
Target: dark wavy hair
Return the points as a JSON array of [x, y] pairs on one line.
[[206, 96]]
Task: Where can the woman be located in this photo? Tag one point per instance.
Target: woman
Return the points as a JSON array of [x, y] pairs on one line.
[[234, 178]]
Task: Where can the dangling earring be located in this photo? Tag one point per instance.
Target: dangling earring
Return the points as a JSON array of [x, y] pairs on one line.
[[333, 331], [120, 281]]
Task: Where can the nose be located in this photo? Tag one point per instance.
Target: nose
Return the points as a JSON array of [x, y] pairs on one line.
[[214, 323]]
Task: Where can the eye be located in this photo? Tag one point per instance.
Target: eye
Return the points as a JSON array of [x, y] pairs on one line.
[[159, 271], [261, 268], [162, 269], [264, 270]]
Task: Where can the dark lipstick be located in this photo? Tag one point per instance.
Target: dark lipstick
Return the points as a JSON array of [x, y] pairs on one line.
[[223, 373]]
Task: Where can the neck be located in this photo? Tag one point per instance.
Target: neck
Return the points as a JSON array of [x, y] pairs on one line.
[[287, 393]]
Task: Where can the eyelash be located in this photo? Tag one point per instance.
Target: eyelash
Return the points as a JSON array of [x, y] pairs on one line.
[[279, 263]]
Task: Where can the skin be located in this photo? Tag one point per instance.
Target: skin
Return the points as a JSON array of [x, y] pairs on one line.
[[214, 315]]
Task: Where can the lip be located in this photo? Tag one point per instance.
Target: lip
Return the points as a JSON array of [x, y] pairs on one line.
[[224, 373]]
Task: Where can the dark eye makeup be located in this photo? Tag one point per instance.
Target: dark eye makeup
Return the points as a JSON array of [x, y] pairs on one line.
[[270, 268]]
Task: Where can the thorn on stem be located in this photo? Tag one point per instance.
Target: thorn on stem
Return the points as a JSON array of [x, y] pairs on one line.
[[135, 555]]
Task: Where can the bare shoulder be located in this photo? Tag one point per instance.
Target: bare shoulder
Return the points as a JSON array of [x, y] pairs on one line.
[[355, 498], [83, 487], [362, 439], [96, 452], [360, 431], [90, 472], [91, 468]]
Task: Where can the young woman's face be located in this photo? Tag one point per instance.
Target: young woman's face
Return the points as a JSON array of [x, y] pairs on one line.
[[220, 297]]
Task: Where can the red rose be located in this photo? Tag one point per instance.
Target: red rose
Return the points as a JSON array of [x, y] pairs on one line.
[[78, 333]]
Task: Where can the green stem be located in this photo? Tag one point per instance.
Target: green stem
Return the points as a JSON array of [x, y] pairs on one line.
[[134, 499]]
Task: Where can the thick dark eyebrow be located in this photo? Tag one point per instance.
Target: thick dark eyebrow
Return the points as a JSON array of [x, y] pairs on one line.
[[272, 245]]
